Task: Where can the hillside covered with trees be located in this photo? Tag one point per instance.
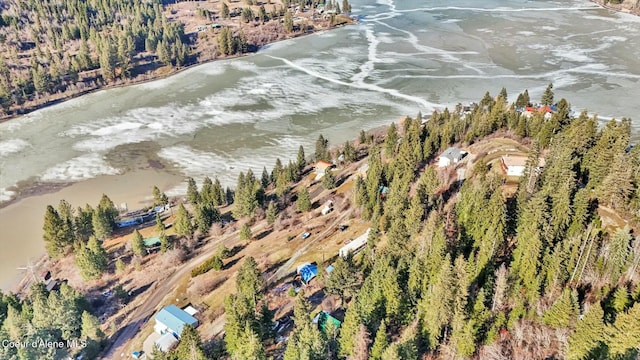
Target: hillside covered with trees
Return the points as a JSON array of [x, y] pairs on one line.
[[463, 269], [473, 266]]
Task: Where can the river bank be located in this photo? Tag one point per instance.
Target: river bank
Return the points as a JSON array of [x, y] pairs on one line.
[[21, 221], [165, 71]]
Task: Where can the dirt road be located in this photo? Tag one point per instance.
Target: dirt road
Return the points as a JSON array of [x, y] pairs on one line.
[[160, 289]]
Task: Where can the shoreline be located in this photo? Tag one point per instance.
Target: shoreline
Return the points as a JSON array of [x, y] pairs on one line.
[[174, 71], [615, 8], [25, 242]]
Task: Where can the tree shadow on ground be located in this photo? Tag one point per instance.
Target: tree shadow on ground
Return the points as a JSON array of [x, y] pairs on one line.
[[230, 264], [263, 234]]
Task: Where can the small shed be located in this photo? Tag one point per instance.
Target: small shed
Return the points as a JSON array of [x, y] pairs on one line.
[[171, 319], [328, 207], [324, 320], [152, 241], [451, 156]]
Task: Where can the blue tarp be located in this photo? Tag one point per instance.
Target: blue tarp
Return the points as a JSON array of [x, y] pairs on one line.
[[308, 272]]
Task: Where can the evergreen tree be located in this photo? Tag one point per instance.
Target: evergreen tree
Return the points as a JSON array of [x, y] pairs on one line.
[[277, 170], [249, 281], [159, 224], [391, 140], [437, 307], [218, 195], [262, 14], [265, 180], [303, 203], [547, 96], [251, 346], [617, 186], [563, 311], [190, 346], [343, 280], [588, 335], [159, 198], [271, 213], [100, 256], [109, 210], [101, 224], [182, 222], [503, 93], [619, 251], [380, 343], [205, 215], [322, 149], [301, 161], [329, 180], [83, 223], [527, 255], [620, 299], [91, 259], [193, 197], [306, 341], [120, 267], [206, 192], [245, 232], [247, 195], [414, 215], [107, 60], [349, 152], [362, 137], [622, 336], [165, 244], [55, 236], [137, 243]]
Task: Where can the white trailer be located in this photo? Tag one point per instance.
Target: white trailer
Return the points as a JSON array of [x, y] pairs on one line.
[[355, 244]]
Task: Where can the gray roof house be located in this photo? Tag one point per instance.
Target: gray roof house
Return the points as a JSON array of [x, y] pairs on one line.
[[450, 156]]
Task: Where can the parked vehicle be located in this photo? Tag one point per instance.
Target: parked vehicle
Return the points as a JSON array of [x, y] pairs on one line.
[[305, 235]]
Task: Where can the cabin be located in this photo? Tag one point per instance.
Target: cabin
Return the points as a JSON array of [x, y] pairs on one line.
[[171, 319], [451, 156], [322, 167], [513, 165]]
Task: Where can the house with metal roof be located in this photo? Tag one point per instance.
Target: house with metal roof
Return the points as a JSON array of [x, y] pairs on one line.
[[172, 319], [450, 156]]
